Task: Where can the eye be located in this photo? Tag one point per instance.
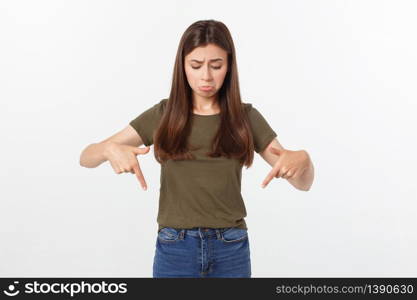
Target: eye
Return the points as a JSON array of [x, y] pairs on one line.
[[216, 68]]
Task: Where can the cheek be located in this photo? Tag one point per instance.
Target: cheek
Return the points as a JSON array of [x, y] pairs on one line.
[[220, 77], [190, 77]]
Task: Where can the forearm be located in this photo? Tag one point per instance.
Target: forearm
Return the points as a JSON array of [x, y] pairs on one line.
[[94, 154], [305, 181]]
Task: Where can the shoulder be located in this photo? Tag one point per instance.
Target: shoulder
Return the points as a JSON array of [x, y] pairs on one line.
[[247, 106], [250, 108], [157, 109], [253, 114], [152, 113], [160, 106]]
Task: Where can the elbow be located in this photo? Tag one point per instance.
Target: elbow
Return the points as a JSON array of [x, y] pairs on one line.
[[91, 156], [301, 186], [84, 163], [82, 159], [81, 162], [303, 189], [307, 188]]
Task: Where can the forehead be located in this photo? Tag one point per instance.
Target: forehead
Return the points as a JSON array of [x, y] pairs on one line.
[[208, 52]]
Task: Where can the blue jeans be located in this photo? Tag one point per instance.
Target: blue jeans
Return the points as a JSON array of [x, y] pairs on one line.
[[202, 252]]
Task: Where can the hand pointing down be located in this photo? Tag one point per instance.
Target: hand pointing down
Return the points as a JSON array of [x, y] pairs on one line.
[[123, 159]]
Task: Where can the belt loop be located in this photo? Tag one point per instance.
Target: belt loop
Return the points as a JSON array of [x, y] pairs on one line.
[[218, 234], [182, 234]]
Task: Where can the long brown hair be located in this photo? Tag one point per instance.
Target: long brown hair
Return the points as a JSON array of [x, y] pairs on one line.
[[234, 138]]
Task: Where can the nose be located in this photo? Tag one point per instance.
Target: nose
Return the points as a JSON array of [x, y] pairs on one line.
[[206, 73]]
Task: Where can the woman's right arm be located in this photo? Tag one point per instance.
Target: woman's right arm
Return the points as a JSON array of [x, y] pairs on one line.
[[120, 150], [97, 153]]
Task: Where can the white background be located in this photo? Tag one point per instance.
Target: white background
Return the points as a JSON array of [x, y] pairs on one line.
[[336, 78]]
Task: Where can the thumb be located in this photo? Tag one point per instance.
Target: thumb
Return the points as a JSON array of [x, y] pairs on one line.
[[141, 150]]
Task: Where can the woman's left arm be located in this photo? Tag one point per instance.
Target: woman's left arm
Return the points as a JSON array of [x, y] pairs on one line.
[[295, 166]]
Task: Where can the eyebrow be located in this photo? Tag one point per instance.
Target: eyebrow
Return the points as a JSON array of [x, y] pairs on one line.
[[214, 59]]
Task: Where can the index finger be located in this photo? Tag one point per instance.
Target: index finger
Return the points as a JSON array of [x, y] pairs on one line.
[[139, 176], [270, 175]]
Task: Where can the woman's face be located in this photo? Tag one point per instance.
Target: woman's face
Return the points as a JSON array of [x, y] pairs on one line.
[[206, 66]]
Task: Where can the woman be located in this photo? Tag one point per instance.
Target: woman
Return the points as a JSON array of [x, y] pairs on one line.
[[202, 135]]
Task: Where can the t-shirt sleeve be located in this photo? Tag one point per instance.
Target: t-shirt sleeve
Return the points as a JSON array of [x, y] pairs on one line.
[[146, 123], [262, 132]]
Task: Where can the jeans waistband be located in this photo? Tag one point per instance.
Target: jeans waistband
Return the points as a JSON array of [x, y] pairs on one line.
[[196, 231], [200, 231]]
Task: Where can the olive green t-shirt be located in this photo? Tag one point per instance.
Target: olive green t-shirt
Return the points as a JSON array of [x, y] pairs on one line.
[[205, 192]]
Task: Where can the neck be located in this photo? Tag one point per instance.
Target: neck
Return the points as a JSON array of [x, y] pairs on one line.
[[206, 105]]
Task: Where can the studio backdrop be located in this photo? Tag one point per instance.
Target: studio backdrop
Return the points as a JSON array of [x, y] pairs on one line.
[[335, 78]]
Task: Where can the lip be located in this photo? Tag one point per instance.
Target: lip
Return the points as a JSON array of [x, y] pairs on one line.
[[206, 87]]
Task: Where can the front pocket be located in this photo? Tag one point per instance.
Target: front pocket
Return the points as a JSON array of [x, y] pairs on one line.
[[168, 234], [234, 234]]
